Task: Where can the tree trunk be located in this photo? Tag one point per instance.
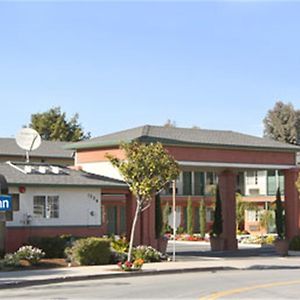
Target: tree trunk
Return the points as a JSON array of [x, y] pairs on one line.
[[137, 210]]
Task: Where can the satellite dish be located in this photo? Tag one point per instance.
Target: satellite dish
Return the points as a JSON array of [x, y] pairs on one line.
[[28, 139]]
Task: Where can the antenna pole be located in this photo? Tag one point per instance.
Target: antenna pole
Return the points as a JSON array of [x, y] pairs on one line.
[[27, 156]]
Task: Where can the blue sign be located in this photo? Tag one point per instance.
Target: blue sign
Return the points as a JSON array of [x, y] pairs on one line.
[[5, 203]]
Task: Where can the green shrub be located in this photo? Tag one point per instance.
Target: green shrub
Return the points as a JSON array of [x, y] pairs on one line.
[[91, 251], [189, 217], [217, 227], [269, 240], [2, 253], [179, 230], [11, 260], [119, 250], [202, 218], [147, 253], [54, 247], [121, 245], [295, 243]]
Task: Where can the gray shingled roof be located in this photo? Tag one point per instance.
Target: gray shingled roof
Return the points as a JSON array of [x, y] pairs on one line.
[[9, 147], [70, 178], [184, 136]]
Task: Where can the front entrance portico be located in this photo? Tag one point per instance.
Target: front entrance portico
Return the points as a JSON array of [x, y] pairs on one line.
[[227, 184], [292, 205]]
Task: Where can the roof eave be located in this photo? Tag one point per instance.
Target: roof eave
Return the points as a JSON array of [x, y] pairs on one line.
[[210, 145], [68, 185], [78, 146], [169, 142]]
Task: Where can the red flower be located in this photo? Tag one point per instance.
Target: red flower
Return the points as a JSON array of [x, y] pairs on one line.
[[128, 264]]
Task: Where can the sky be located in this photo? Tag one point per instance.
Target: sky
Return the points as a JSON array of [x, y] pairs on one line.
[[215, 65]]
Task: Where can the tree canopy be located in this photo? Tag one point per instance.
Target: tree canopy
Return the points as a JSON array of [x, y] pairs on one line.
[[53, 125], [147, 169], [282, 123]]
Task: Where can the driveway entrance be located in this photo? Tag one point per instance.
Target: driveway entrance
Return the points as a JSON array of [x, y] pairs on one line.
[[200, 250]]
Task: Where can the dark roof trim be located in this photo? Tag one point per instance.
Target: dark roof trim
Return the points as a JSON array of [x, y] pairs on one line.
[[69, 185], [170, 142]]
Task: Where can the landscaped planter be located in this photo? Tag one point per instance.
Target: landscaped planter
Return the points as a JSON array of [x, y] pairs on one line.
[[282, 247], [216, 243], [162, 244]]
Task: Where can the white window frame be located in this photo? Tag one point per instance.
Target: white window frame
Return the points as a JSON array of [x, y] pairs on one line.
[[48, 210]]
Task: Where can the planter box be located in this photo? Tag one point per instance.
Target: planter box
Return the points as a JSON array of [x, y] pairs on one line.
[[293, 253], [282, 247], [162, 244], [216, 243]]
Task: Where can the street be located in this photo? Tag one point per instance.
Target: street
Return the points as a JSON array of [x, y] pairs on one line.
[[254, 284]]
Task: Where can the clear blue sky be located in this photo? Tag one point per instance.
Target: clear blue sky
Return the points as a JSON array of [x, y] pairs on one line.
[[217, 65]]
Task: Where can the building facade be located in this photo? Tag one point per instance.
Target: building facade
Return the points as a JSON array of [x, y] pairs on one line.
[[239, 163]]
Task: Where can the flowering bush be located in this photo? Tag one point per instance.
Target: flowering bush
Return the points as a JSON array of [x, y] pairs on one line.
[[188, 237], [129, 266], [11, 260], [31, 254], [147, 254], [261, 239]]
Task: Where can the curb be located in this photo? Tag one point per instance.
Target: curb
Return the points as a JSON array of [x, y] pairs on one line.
[[36, 282], [24, 283]]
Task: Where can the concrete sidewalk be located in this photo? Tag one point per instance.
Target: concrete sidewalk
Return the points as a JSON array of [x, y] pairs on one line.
[[38, 277]]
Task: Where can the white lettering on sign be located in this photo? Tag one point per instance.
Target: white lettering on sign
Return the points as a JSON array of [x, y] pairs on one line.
[[4, 204]]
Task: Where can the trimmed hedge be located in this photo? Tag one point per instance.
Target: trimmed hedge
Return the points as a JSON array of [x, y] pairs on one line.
[[295, 243], [91, 251], [54, 247]]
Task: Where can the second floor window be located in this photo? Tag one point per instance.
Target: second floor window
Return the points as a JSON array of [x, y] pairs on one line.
[[187, 183], [252, 178]]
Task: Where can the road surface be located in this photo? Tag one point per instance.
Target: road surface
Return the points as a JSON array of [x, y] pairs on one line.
[[250, 284]]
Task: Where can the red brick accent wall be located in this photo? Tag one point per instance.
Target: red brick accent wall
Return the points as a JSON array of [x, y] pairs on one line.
[[231, 155], [200, 154]]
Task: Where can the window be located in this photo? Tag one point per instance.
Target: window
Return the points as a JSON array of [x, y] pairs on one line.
[[252, 178], [46, 207], [210, 178], [39, 206], [252, 216], [210, 214], [187, 183], [281, 181], [210, 184], [199, 183]]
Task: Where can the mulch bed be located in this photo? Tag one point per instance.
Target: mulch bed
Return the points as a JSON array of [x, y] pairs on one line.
[[46, 263]]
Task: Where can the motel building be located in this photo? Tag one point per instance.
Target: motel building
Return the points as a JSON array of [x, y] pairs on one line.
[[50, 199], [250, 165]]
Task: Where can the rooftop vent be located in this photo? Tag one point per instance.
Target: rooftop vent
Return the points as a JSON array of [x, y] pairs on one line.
[[27, 169], [35, 168], [42, 169], [55, 169]]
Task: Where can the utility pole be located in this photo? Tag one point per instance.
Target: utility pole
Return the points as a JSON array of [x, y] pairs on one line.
[[174, 219]]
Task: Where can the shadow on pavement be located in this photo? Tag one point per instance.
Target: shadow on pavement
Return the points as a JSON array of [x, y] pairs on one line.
[[184, 254]]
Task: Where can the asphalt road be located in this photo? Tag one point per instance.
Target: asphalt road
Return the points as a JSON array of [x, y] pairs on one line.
[[258, 284]]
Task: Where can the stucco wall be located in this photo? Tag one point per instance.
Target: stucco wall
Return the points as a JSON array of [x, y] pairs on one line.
[[77, 206], [101, 168]]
